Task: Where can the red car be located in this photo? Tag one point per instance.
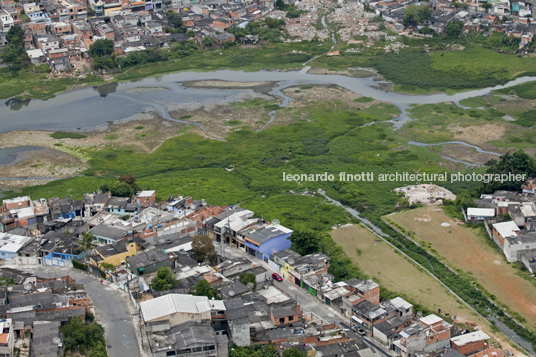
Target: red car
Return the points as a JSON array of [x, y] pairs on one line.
[[277, 277]]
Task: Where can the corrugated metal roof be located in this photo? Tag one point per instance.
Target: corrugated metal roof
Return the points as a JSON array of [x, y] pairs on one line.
[[173, 303]]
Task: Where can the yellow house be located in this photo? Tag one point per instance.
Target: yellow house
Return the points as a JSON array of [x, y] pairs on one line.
[[112, 11], [116, 253], [285, 269]]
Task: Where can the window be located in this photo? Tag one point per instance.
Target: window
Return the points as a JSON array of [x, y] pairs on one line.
[[209, 348], [170, 353], [197, 349]]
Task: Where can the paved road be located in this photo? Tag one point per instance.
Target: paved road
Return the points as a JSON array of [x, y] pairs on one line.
[[116, 320], [306, 300]]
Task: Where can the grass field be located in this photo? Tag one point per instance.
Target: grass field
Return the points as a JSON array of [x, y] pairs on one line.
[[396, 273], [467, 249]]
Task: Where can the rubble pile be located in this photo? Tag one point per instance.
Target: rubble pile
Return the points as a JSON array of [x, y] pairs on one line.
[[303, 27], [355, 21]]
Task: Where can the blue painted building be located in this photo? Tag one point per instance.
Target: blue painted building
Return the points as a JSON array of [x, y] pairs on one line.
[[61, 249], [268, 240], [122, 206]]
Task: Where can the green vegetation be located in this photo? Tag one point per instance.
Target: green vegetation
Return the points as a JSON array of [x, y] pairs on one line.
[[233, 122], [382, 111], [254, 351], [416, 14], [203, 288], [364, 100], [294, 352], [518, 163], [14, 53], [82, 338], [203, 248], [174, 19], [247, 278], [139, 127], [525, 90], [6, 282], [269, 30], [102, 52], [64, 135], [111, 137], [434, 121], [107, 266], [474, 67], [185, 117], [164, 279]]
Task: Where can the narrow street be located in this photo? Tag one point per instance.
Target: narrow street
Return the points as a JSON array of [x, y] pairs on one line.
[[305, 299], [111, 307]]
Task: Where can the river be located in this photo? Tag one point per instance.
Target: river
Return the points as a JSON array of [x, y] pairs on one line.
[[91, 107]]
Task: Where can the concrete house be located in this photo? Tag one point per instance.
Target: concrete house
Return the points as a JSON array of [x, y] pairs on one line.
[[470, 343], [191, 338], [176, 308], [430, 333], [93, 202], [264, 242], [284, 315], [238, 321], [147, 261], [116, 253]]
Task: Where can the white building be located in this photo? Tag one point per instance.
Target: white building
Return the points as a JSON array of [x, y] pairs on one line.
[[177, 308], [479, 214]]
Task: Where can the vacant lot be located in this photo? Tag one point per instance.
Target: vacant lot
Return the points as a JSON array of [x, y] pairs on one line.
[[463, 248], [394, 272]]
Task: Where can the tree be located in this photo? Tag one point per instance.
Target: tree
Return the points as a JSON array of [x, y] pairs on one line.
[[487, 6], [15, 33], [190, 33], [121, 189], [203, 288], [518, 163], [129, 180], [454, 29], [87, 241], [254, 351], [208, 41], [416, 14], [280, 4], [294, 352], [164, 279], [174, 18], [506, 217], [83, 338], [246, 278], [101, 48], [108, 266], [305, 242], [204, 249], [14, 53]]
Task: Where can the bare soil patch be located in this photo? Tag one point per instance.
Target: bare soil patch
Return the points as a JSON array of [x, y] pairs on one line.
[[479, 134], [349, 72], [394, 272], [466, 249], [467, 154]]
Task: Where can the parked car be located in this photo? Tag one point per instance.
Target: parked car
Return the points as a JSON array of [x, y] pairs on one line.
[[361, 332], [277, 277], [168, 241]]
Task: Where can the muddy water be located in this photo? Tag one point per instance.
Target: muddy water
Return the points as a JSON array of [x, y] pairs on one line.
[[90, 107], [11, 156]]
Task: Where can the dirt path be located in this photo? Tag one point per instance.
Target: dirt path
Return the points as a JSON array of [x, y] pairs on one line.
[[464, 248]]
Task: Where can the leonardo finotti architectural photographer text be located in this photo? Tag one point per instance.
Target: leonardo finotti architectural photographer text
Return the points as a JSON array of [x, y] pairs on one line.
[[404, 177]]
